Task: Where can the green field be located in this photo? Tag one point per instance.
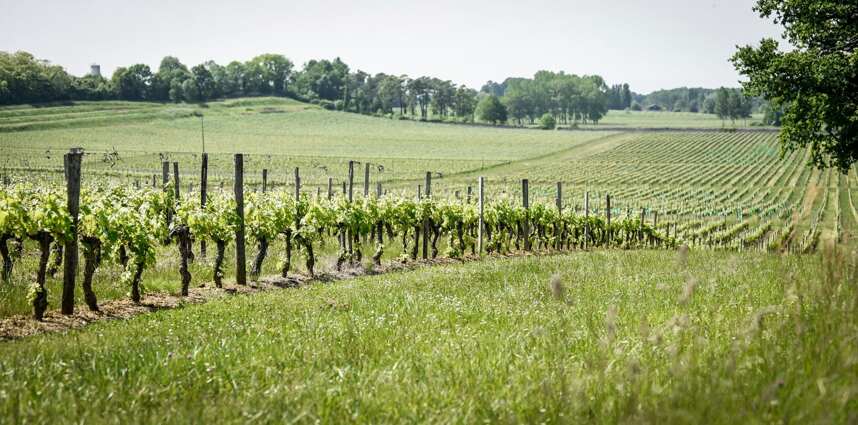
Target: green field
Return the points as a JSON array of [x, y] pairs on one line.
[[648, 119], [723, 189], [634, 337], [760, 324]]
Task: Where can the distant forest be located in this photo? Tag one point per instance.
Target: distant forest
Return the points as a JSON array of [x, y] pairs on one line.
[[566, 98]]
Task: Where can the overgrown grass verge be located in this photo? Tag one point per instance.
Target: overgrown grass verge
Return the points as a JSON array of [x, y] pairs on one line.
[[621, 337]]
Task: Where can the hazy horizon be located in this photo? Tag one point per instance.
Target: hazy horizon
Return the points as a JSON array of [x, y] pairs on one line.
[[658, 45]]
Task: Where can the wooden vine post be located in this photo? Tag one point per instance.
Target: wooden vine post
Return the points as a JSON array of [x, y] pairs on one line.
[[426, 230], [165, 172], [330, 188], [366, 181], [264, 180], [608, 212], [470, 194], [204, 181], [559, 199], [176, 180], [586, 219], [297, 184], [482, 225], [240, 262], [349, 236], [73, 160], [165, 178], [525, 203]]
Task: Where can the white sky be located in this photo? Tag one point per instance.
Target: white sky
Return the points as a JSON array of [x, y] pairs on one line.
[[649, 44]]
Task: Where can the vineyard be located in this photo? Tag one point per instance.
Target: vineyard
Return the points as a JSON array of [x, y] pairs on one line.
[[128, 227], [359, 269], [710, 190]]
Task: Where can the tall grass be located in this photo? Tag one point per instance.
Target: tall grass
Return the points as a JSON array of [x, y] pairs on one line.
[[758, 338]]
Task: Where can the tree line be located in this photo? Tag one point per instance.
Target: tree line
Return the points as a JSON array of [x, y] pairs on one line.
[[546, 99], [698, 99], [567, 98], [329, 83]]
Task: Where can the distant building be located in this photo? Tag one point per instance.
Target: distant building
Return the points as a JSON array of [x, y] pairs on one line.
[[95, 70]]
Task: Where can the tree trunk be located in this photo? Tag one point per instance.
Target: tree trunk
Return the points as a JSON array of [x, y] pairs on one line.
[[135, 283], [358, 255], [460, 235], [40, 296], [57, 252], [379, 244], [311, 258], [7, 258], [341, 259], [186, 251], [218, 264], [261, 252], [123, 256], [287, 262], [416, 246], [436, 233], [92, 258]]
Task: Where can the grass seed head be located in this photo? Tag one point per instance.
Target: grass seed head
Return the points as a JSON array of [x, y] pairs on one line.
[[682, 256], [611, 321], [556, 286], [688, 290]]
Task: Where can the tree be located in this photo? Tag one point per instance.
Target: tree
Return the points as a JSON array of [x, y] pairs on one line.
[[190, 91], [491, 87], [722, 103], [709, 104], [771, 115], [234, 79], [25, 79], [491, 110], [419, 93], [547, 122], [170, 69], [389, 91], [466, 102], [272, 73], [626, 96], [816, 83], [132, 83], [322, 79], [204, 82]]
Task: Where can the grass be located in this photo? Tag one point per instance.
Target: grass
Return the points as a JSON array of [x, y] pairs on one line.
[[634, 338], [647, 119], [691, 179], [318, 141], [622, 336]]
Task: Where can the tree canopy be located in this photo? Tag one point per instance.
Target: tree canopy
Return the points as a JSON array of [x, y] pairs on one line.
[[816, 82], [491, 110], [568, 97]]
